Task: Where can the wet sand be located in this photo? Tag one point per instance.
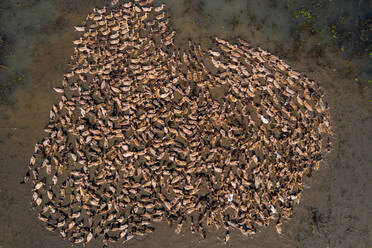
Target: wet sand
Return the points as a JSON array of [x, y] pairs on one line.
[[337, 202]]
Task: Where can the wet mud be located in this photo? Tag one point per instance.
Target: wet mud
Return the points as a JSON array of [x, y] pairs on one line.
[[36, 43]]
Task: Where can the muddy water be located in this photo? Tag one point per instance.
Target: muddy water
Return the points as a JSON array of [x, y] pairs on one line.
[[337, 200]]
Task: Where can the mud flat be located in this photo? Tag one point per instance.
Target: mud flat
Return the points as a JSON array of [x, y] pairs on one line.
[[336, 203]]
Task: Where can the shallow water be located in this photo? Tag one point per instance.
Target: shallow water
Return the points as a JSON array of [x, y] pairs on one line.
[[336, 206]]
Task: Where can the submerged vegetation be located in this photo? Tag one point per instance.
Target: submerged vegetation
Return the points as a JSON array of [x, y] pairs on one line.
[[347, 30]]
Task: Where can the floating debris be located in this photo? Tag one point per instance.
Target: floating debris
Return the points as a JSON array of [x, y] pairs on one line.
[[145, 132]]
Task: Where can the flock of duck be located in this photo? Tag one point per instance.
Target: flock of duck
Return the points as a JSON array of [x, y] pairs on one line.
[[145, 132]]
